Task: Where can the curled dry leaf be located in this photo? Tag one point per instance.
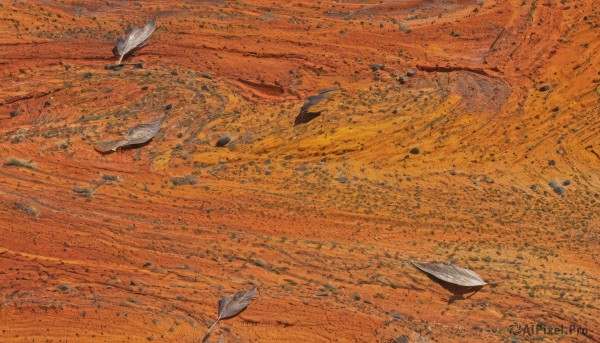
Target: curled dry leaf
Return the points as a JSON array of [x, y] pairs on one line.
[[315, 99], [136, 135], [453, 278], [229, 307], [134, 39], [304, 116]]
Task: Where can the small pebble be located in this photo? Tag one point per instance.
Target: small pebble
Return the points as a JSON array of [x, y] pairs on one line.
[[223, 141]]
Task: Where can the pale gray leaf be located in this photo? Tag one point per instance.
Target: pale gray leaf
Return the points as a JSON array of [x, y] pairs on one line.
[[138, 134], [134, 39], [229, 307], [453, 278], [144, 132]]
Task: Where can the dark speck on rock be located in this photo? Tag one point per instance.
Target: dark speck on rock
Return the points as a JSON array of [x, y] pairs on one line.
[[545, 88], [168, 107], [14, 113], [63, 287], [174, 72], [415, 151], [184, 180], [566, 182], [113, 67], [342, 179], [376, 67], [552, 163], [145, 88], [207, 76], [87, 75], [411, 73], [395, 112]]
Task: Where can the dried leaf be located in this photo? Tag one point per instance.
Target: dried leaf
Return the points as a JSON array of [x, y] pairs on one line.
[[315, 99], [229, 307], [453, 278], [134, 39], [136, 135], [304, 116], [144, 132]]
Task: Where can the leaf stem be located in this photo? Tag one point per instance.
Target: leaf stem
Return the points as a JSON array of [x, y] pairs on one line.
[[210, 329]]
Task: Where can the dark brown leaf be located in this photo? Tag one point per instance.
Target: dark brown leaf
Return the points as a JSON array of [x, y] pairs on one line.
[[134, 39], [453, 278]]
